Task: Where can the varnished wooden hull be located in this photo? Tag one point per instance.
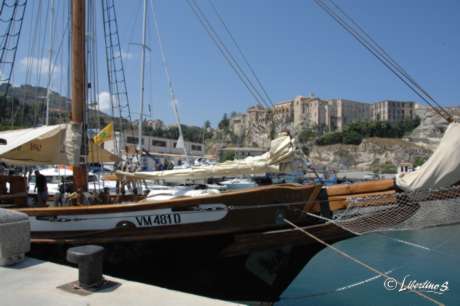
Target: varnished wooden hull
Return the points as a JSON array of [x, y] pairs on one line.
[[248, 254], [256, 266], [252, 210]]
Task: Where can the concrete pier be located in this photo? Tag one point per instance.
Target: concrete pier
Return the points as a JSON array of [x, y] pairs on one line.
[[35, 282], [27, 281]]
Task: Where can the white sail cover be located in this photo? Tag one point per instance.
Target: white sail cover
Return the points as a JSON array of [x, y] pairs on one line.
[[52, 144], [443, 167], [281, 152]]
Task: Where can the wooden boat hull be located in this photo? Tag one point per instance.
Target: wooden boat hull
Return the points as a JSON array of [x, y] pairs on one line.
[[257, 209], [256, 266], [232, 246]]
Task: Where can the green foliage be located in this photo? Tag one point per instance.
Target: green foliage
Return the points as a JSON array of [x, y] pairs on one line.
[[191, 133], [224, 123], [330, 138], [227, 155], [387, 168], [306, 135], [356, 131], [419, 161], [351, 137]]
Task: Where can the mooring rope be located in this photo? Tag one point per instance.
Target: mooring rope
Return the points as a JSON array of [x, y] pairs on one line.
[[340, 289], [361, 263]]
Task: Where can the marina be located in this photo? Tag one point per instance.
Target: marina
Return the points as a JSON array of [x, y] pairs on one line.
[[307, 201]]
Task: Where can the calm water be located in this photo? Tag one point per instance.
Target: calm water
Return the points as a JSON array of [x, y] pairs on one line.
[[317, 284]]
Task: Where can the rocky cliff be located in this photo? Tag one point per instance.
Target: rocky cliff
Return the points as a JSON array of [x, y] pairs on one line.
[[385, 153], [371, 154]]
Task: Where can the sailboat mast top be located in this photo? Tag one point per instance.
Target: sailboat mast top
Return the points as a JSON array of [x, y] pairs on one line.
[[143, 46], [79, 81]]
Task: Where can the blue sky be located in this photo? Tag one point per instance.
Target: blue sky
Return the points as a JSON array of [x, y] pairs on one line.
[[294, 46]]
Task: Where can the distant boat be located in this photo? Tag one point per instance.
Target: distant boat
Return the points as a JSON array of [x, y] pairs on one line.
[[238, 183]]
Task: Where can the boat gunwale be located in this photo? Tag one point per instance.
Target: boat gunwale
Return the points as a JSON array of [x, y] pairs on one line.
[[181, 202]]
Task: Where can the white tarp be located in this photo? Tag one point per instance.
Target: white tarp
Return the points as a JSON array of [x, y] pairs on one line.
[[52, 144], [443, 167], [281, 152]]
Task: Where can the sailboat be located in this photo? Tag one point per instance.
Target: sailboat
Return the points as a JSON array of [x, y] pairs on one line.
[[238, 237], [234, 245]]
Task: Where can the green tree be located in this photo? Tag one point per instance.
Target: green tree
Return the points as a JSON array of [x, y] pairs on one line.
[[227, 155], [352, 137], [224, 123], [330, 138], [306, 135], [419, 161]]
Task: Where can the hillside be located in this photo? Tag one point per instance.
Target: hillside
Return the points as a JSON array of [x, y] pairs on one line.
[[384, 154], [371, 154], [25, 106]]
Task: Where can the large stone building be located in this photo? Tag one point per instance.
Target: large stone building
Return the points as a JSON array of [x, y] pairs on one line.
[[321, 114], [348, 111], [313, 112], [392, 111]]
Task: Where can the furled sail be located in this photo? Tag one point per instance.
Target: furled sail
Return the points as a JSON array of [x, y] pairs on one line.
[[277, 159], [442, 169], [50, 144]]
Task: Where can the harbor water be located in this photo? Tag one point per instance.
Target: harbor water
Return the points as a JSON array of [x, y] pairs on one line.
[[425, 256]]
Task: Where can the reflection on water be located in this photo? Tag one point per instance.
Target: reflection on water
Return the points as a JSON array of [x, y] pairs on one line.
[[330, 279]]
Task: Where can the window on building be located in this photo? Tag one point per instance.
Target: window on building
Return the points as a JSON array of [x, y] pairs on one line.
[[133, 140], [158, 143], [196, 148]]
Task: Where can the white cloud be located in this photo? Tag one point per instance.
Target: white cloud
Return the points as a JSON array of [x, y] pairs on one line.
[[40, 65], [104, 101]]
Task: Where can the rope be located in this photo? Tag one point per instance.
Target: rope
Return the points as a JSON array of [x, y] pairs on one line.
[[172, 93], [359, 262], [231, 60], [10, 41], [366, 41], [340, 289], [240, 51]]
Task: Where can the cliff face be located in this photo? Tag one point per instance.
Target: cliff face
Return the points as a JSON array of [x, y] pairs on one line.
[[374, 153], [431, 128], [371, 153]]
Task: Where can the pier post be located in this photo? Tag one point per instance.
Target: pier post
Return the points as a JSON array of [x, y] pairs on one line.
[[14, 236], [89, 259]]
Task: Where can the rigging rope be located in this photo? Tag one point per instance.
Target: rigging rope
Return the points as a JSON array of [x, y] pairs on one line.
[[371, 45], [116, 72], [10, 39], [228, 56], [359, 262], [240, 51], [263, 98], [172, 93], [363, 282]]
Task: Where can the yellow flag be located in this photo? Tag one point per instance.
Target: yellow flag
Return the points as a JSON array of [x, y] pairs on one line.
[[104, 135]]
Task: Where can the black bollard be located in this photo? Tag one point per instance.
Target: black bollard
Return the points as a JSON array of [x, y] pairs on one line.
[[89, 259]]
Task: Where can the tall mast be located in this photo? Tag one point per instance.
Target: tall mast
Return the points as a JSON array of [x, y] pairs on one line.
[[143, 46], [79, 85], [50, 64]]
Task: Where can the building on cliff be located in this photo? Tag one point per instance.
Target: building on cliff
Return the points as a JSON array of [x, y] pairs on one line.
[[393, 111], [314, 112]]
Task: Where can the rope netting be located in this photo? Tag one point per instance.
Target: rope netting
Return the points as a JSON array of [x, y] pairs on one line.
[[400, 211]]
